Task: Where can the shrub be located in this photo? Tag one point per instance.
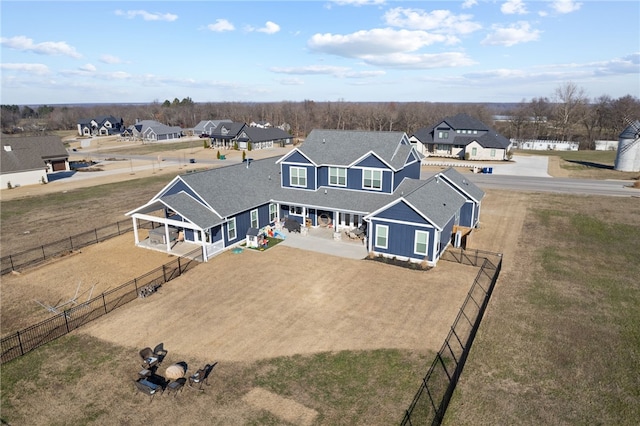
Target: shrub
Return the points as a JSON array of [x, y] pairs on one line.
[[9, 186], [235, 146], [244, 155], [467, 156], [249, 146], [218, 155]]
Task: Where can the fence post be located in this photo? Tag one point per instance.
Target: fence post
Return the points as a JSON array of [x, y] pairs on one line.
[[20, 343], [179, 267], [118, 225], [104, 303], [95, 231], [71, 243], [43, 255], [164, 274], [11, 261], [135, 284], [66, 321]]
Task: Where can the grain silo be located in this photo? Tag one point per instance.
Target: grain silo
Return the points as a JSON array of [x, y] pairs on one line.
[[628, 157]]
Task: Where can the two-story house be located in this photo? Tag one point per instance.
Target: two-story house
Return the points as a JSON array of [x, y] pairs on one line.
[[337, 179], [100, 126], [238, 135], [461, 136]]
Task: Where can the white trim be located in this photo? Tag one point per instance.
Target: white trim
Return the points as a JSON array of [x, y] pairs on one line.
[[415, 242], [273, 215], [298, 185], [337, 176], [235, 229], [257, 219], [386, 245], [370, 169]]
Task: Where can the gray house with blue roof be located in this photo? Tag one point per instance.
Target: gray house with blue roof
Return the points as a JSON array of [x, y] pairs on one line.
[[337, 179]]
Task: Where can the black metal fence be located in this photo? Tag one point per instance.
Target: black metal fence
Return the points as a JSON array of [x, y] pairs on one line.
[[30, 338], [36, 255], [432, 399]]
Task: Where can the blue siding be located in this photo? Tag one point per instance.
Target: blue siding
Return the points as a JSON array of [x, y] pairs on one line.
[[372, 161], [296, 157], [180, 186], [243, 223], [445, 236], [216, 233], [311, 177], [402, 212], [466, 214], [401, 240], [411, 171]]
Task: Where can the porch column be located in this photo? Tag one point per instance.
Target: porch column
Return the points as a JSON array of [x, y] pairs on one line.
[[135, 230], [336, 219], [166, 237], [204, 254]]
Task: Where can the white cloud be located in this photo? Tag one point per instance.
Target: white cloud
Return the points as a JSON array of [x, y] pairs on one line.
[[520, 32], [269, 28], [88, 68], [37, 69], [53, 48], [147, 16], [420, 61], [514, 7], [467, 4], [565, 6], [373, 42], [110, 59], [439, 21], [339, 72], [221, 25]]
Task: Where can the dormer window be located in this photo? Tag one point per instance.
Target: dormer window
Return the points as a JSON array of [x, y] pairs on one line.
[[443, 135], [298, 177], [372, 179], [337, 176]]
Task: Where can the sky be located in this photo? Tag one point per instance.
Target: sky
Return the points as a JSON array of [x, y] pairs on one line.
[[55, 52]]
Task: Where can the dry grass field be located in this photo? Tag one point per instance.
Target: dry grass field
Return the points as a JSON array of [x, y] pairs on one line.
[[309, 339]]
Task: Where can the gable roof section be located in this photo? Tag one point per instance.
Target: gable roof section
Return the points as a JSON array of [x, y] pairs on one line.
[[489, 139], [458, 180], [187, 207], [344, 147], [227, 130], [433, 200], [30, 153], [259, 134], [156, 127]]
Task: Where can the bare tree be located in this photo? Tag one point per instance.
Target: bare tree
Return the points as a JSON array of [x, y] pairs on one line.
[[569, 100]]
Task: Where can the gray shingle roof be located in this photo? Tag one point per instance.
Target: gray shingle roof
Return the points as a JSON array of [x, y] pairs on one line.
[[343, 147], [434, 199], [463, 183], [259, 134], [29, 153], [186, 206]]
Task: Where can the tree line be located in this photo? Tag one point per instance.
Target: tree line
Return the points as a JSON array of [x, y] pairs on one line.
[[568, 114]]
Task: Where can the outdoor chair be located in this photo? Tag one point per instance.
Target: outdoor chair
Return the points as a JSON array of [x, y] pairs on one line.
[[201, 376], [176, 386], [149, 360], [160, 352], [147, 387]]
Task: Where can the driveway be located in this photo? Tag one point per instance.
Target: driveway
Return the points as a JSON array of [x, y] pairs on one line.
[[524, 165]]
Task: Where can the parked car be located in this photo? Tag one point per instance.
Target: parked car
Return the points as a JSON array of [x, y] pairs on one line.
[[192, 160], [205, 135]]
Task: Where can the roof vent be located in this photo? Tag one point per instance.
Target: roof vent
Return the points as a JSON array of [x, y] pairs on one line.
[[7, 148]]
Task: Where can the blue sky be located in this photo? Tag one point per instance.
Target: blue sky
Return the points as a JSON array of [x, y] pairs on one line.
[[353, 50]]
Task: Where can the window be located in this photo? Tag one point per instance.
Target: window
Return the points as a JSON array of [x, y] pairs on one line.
[[295, 210], [254, 219], [493, 152], [231, 229], [337, 176], [298, 176], [273, 212], [474, 152], [372, 179], [475, 132], [382, 236], [443, 135], [421, 241]]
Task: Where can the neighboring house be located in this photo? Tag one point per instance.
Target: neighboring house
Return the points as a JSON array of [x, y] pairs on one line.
[[231, 134], [153, 131], [27, 160], [207, 127], [100, 126], [544, 145], [340, 179], [461, 136]]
